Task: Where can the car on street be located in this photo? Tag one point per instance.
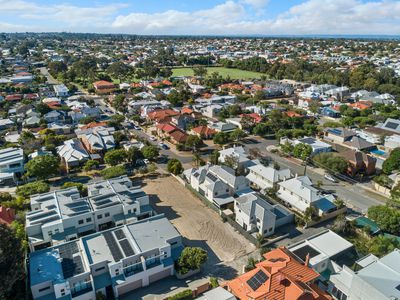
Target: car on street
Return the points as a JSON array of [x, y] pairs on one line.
[[164, 146], [330, 178]]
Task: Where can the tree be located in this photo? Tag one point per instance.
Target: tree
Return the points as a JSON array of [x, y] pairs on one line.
[[387, 218], [342, 226], [133, 154], [261, 129], [150, 152], [42, 167], [114, 171], [83, 190], [115, 157], [174, 166], [191, 258], [237, 134], [119, 103], [392, 163], [302, 151], [193, 142], [11, 261], [214, 156], [382, 245], [119, 70], [91, 165], [231, 161], [200, 71], [331, 162], [5, 197], [221, 138], [310, 214], [42, 108], [37, 187]]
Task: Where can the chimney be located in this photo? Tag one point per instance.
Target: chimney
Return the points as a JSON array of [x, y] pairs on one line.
[[307, 260]]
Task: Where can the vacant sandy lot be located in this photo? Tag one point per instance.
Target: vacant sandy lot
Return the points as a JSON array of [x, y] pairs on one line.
[[200, 225]]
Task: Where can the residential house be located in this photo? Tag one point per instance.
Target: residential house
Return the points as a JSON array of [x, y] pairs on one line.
[[281, 275], [72, 153], [300, 194], [323, 250], [263, 178], [103, 87], [11, 164], [330, 112], [182, 121], [359, 162], [317, 146], [218, 293], [6, 123], [359, 144], [61, 90], [97, 139], [217, 183], [114, 262], [392, 125], [162, 115], [392, 142], [203, 132], [237, 155], [372, 278], [64, 215], [338, 135], [256, 215], [223, 127], [173, 133], [54, 116]]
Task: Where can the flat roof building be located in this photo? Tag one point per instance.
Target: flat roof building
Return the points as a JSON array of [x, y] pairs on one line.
[[114, 262], [64, 215]]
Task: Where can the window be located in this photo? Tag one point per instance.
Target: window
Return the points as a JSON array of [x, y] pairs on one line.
[[173, 243], [50, 233], [134, 210], [270, 229], [88, 219], [117, 272], [62, 292], [99, 217], [106, 214], [99, 269], [56, 230], [80, 222], [44, 289], [129, 211]]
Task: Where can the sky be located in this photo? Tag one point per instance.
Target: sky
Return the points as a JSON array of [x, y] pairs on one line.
[[204, 17]]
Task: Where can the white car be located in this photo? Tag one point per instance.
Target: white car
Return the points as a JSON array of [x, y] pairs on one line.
[[330, 178]]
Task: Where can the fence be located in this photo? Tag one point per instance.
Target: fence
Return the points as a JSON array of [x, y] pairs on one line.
[[202, 198], [239, 228]]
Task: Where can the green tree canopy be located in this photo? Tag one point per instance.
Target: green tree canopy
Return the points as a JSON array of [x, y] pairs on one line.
[[114, 171], [392, 163], [150, 152], [302, 151], [387, 218], [37, 187], [115, 157], [42, 167], [191, 258], [174, 166]]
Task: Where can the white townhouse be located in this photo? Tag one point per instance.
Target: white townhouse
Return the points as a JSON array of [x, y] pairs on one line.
[[300, 194], [263, 177], [11, 164], [255, 214]]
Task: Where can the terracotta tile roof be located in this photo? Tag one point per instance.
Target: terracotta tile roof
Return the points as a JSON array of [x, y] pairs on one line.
[[166, 127], [186, 110], [292, 114], [179, 136], [166, 82], [7, 215], [256, 117], [204, 130], [231, 86], [94, 124], [287, 278], [14, 97], [361, 105], [161, 115], [102, 84]]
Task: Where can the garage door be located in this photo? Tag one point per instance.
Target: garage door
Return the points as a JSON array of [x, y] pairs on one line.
[[159, 276], [123, 289]]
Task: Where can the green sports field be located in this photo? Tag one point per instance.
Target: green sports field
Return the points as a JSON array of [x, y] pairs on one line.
[[233, 73]]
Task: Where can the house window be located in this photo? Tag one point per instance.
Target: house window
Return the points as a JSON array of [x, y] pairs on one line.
[[88, 220], [134, 210], [106, 214], [99, 217], [50, 233], [117, 272], [80, 222], [216, 193], [99, 269], [62, 292], [44, 289], [270, 229], [129, 211], [56, 230]]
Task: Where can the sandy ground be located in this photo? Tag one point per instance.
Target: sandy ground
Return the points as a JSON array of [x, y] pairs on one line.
[[200, 225]]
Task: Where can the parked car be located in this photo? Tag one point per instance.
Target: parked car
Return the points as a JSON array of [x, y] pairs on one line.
[[330, 178], [164, 146]]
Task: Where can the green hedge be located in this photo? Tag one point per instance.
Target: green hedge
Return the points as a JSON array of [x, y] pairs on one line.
[[184, 295]]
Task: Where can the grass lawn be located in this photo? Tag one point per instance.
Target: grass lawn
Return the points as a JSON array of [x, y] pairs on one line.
[[233, 73]]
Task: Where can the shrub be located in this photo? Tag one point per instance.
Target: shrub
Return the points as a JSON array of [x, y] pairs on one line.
[[83, 190], [214, 282], [184, 295], [191, 258], [174, 166], [91, 165], [37, 187], [112, 172]]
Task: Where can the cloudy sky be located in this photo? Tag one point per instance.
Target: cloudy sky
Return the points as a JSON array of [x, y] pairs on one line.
[[214, 17]]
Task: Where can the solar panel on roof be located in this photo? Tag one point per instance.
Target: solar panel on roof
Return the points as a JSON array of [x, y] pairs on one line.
[[126, 247], [257, 280], [391, 125], [303, 251], [112, 245], [212, 177], [119, 234], [71, 265]]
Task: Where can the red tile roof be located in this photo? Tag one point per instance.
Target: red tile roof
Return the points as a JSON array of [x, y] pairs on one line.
[[256, 117], [204, 131], [162, 115], [166, 127], [102, 84], [186, 110], [94, 124], [7, 215], [287, 279], [179, 136], [14, 97]]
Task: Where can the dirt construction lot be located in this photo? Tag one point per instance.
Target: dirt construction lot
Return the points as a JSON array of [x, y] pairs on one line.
[[200, 225]]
